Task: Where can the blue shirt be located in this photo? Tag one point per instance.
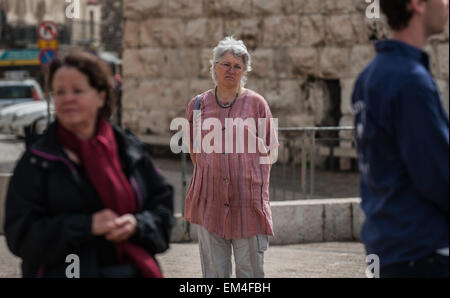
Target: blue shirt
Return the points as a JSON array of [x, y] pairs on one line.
[[402, 141]]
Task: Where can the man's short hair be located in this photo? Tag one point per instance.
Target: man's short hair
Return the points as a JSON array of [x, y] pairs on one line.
[[397, 13]]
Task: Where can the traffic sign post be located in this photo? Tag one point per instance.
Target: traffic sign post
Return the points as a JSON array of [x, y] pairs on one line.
[[47, 30], [46, 56], [48, 43]]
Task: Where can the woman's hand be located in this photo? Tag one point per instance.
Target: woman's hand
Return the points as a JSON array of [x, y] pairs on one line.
[[125, 227], [103, 222]]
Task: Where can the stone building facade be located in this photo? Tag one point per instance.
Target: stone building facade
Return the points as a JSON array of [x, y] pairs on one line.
[[306, 55]]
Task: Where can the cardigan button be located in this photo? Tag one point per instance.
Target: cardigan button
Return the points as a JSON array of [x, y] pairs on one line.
[[33, 160], [44, 164]]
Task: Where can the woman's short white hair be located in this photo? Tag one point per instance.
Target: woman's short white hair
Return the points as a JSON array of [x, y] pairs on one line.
[[235, 47]]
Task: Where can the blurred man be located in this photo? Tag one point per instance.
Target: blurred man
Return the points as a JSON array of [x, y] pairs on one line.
[[403, 146]]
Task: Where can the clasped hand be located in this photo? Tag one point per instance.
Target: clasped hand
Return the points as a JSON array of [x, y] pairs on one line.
[[115, 228]]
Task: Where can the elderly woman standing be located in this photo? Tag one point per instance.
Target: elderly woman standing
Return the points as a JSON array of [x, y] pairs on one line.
[[85, 189], [229, 193]]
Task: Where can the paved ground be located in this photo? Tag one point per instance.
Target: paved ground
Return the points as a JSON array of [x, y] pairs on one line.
[[312, 260]]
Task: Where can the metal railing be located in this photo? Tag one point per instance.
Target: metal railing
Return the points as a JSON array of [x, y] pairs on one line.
[[305, 142], [300, 148]]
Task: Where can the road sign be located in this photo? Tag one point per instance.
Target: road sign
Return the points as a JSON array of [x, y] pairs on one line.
[[47, 44], [47, 30], [46, 56]]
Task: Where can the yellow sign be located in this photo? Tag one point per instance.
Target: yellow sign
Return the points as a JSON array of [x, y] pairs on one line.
[[47, 44]]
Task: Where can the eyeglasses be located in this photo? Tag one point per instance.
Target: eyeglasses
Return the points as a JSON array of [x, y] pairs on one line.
[[228, 67]]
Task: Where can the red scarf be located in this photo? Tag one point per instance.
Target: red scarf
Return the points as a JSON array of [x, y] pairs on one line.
[[100, 158]]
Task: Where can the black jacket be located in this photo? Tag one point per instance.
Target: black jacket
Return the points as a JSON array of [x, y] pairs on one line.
[[50, 203]]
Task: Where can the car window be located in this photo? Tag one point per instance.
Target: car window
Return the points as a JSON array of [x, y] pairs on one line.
[[15, 92]]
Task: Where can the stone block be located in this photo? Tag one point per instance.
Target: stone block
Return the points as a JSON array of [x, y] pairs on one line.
[[131, 34], [337, 221], [341, 6], [184, 8], [442, 54], [303, 61], [281, 31], [281, 62], [312, 30], [195, 33], [360, 5], [296, 222], [358, 218], [132, 64], [283, 94], [206, 55], [228, 8], [256, 85], [247, 30], [267, 7], [152, 60], [129, 119], [139, 9], [360, 56], [130, 97], [163, 94], [340, 30], [263, 63], [444, 93], [198, 86], [311, 6], [360, 29], [181, 63], [432, 52], [334, 63], [293, 6], [303, 221], [156, 121], [214, 32], [162, 32], [151, 93]]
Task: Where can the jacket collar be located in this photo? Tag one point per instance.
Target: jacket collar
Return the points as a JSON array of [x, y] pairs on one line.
[[399, 48], [130, 149]]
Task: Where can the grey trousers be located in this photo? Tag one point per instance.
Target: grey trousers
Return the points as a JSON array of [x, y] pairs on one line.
[[215, 255]]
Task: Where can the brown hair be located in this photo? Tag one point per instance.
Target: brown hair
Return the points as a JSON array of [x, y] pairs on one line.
[[98, 73]]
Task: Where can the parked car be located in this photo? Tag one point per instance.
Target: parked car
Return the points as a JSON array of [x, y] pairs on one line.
[[15, 118], [36, 117], [19, 91]]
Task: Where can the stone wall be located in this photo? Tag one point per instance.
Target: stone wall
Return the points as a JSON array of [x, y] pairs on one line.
[[296, 46]]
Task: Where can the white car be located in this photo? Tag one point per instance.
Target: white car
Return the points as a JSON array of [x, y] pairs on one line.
[[18, 91], [14, 118]]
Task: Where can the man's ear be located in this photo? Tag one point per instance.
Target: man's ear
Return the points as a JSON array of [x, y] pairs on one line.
[[417, 6]]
